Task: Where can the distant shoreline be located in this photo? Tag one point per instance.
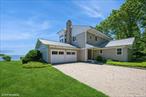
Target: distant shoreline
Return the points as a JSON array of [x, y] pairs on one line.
[[13, 57]]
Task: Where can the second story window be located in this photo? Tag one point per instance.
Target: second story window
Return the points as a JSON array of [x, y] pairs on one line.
[[95, 38], [65, 40], [90, 37], [61, 40], [100, 51], [74, 38]]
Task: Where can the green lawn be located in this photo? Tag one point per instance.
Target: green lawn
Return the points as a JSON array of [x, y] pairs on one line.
[[41, 82], [128, 64]]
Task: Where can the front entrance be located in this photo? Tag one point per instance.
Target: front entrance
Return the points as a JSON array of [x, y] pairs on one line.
[[89, 54]]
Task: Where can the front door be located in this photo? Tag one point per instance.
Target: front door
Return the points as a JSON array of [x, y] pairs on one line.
[[89, 54]]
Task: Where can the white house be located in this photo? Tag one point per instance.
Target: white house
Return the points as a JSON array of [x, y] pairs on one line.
[[83, 43]]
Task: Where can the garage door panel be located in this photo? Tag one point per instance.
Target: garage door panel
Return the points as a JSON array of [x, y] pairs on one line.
[[62, 56], [71, 56], [57, 58]]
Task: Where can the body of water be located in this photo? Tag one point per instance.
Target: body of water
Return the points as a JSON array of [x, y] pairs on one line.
[[13, 57]]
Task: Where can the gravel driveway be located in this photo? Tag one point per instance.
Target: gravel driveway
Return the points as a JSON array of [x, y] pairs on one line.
[[114, 81]]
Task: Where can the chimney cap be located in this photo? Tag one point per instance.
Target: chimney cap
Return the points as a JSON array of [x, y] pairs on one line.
[[69, 21]]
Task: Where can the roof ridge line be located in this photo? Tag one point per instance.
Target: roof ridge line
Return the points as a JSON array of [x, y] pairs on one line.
[[122, 39]]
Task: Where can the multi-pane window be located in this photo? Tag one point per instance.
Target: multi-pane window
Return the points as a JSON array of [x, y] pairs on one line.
[[119, 51], [61, 52], [65, 40], [100, 51], [95, 38], [54, 52], [73, 53], [61, 40], [74, 38], [90, 37], [68, 53]]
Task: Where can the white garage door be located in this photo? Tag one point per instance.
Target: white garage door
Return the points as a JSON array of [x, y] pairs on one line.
[[62, 56]]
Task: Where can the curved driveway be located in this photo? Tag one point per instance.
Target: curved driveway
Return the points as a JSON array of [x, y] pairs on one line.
[[114, 81]]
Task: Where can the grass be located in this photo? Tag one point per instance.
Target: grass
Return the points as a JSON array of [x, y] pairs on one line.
[[127, 64], [35, 65], [41, 82]]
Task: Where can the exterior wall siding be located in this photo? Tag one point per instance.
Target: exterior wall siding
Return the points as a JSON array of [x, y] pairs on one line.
[[82, 55], [44, 50], [91, 39], [112, 54], [80, 40]]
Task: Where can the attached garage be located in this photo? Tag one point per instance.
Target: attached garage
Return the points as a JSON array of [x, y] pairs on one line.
[[56, 52], [62, 56]]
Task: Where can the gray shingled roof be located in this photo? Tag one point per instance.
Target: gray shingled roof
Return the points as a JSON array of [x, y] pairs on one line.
[[47, 42], [90, 46], [122, 42]]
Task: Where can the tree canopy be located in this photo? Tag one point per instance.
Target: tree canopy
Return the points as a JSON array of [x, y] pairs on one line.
[[128, 21]]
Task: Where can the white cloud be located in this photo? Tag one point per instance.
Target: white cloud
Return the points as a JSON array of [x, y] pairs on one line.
[[15, 36], [37, 26], [90, 8], [22, 29]]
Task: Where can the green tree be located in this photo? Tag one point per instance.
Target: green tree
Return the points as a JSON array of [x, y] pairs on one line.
[[32, 55], [6, 58], [128, 21]]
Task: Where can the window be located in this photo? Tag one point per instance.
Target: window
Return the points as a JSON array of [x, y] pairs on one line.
[[65, 40], [90, 37], [100, 51], [74, 38], [61, 52], [119, 51], [68, 53], [61, 40], [95, 38], [54, 52], [73, 53]]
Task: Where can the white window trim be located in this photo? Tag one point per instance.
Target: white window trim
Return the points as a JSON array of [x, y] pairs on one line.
[[121, 51]]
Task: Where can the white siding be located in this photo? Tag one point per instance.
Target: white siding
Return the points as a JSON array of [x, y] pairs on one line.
[[83, 55], [112, 54], [44, 50]]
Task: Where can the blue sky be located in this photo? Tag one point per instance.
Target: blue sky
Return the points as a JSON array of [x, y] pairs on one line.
[[23, 21]]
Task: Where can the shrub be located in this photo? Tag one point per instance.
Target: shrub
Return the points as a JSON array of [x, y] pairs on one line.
[[35, 65], [139, 56], [99, 58], [32, 55], [21, 58], [6, 58]]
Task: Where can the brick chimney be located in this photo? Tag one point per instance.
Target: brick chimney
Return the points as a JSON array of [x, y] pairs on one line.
[[69, 31]]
